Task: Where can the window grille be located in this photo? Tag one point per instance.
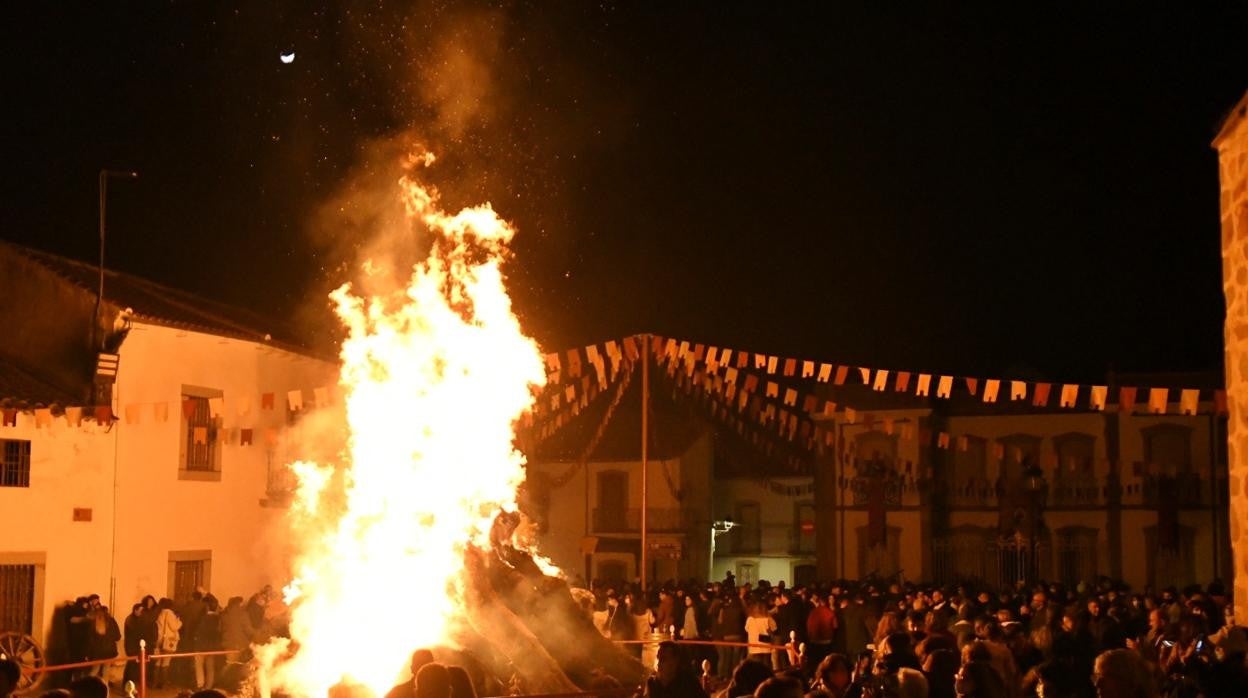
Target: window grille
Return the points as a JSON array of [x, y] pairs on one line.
[[17, 598], [14, 463], [201, 434]]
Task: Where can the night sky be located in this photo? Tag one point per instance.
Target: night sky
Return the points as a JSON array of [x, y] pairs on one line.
[[985, 193]]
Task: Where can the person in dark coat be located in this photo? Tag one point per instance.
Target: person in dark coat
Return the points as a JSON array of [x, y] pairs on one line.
[[675, 677], [135, 627]]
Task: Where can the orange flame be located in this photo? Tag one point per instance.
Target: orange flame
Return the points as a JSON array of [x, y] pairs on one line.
[[434, 378]]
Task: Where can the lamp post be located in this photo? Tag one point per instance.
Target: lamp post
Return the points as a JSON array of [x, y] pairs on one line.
[[1037, 489], [99, 298]]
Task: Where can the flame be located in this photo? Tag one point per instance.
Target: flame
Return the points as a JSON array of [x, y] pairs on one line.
[[434, 377]]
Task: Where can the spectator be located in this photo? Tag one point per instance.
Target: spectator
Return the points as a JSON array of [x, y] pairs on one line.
[[779, 687], [168, 635], [102, 643], [88, 687], [10, 677], [674, 677], [1121, 673], [135, 630], [833, 676], [432, 681], [407, 689], [207, 639], [461, 683], [977, 679], [236, 629]]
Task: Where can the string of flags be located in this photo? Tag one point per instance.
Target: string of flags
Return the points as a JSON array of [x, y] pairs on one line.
[[243, 409], [754, 369]]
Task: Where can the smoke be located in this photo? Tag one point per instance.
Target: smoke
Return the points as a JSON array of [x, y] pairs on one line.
[[436, 74]]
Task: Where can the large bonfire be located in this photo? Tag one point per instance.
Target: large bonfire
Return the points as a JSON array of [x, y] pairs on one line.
[[433, 378]]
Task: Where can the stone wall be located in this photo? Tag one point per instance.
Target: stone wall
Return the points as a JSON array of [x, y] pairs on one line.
[[1232, 147]]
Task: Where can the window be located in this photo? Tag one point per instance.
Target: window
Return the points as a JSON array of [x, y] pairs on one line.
[[14, 463], [1021, 451], [747, 573], [17, 598], [970, 466], [188, 570], [1074, 453], [200, 450], [804, 513], [876, 448], [612, 512], [1168, 449]]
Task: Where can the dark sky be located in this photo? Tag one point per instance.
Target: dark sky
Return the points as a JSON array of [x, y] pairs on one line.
[[969, 192]]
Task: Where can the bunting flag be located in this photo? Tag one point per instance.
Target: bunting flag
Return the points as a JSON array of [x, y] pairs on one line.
[[294, 400], [945, 387], [1070, 393], [133, 414], [925, 384], [1018, 390], [160, 411], [1157, 400], [903, 381], [43, 418], [1040, 396], [1188, 401], [991, 387], [881, 381], [1098, 394], [73, 415], [1126, 400]]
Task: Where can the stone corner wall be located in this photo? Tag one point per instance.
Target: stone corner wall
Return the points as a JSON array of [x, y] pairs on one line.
[[1232, 147]]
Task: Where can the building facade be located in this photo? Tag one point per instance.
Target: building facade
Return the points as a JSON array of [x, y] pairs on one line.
[[146, 452]]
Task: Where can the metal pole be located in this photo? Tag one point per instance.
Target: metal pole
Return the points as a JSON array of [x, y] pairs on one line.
[[645, 455], [142, 668], [99, 297]]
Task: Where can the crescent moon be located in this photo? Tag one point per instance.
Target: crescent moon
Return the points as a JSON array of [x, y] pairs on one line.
[[288, 58]]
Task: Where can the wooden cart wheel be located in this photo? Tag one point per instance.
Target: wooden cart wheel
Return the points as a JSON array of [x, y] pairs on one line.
[[28, 654]]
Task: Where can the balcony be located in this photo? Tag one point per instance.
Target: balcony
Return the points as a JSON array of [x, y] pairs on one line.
[[629, 520], [279, 486]]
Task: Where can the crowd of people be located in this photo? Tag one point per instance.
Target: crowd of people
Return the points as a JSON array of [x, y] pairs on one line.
[[200, 624], [867, 639], [849, 640]]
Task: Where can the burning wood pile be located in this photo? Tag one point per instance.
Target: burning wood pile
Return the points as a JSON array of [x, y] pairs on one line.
[[399, 541]]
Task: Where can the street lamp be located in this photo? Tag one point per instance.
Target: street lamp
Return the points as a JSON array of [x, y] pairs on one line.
[[1036, 487]]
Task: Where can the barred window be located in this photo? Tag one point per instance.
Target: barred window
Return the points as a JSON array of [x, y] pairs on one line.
[[14, 463], [200, 447], [201, 434], [17, 598]]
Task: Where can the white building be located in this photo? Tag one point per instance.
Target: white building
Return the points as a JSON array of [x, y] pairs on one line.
[[184, 485]]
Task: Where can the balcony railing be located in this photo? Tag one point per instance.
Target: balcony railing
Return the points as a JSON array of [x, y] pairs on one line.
[[629, 520], [280, 483]]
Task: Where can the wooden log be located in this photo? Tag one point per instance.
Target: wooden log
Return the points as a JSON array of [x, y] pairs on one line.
[[546, 606], [508, 635]]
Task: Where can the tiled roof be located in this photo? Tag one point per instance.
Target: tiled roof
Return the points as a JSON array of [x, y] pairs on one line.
[[18, 388], [163, 305]]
